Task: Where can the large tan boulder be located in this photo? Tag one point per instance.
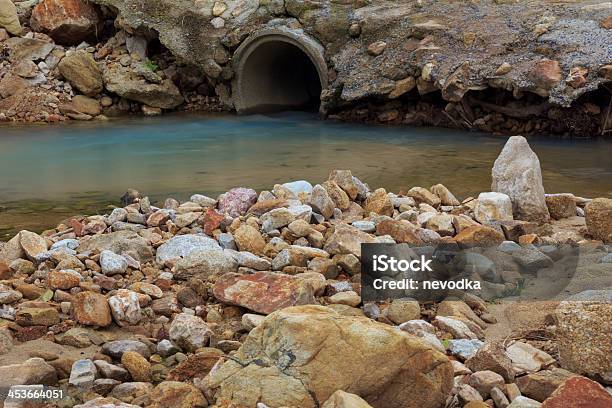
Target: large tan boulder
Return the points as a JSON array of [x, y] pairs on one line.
[[80, 69], [300, 356], [9, 19], [599, 219], [342, 399], [517, 174], [68, 22]]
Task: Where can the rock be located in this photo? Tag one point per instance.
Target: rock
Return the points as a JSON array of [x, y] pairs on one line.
[[181, 246], [339, 197], [83, 374], [120, 242], [401, 231], [344, 178], [545, 74], [492, 357], [189, 332], [561, 205], [126, 82], [250, 321], [583, 335], [309, 367], [9, 18], [348, 298], [91, 309], [102, 402], [531, 260], [484, 381], [276, 219], [265, 292], [479, 236], [237, 201], [524, 402], [499, 398], [131, 390], [457, 328], [442, 224], [527, 359], [31, 371], [299, 188], [341, 399], [403, 310], [492, 207], [579, 392], [37, 316], [68, 22], [599, 219], [469, 395], [64, 279], [116, 348], [8, 295], [321, 202], [422, 195], [205, 263], [115, 372], [463, 348], [346, 239], [125, 307], [112, 264], [249, 239], [378, 202], [32, 244], [517, 173], [446, 197], [165, 348], [176, 394], [138, 366], [402, 86], [80, 69], [377, 48], [541, 385], [196, 365]]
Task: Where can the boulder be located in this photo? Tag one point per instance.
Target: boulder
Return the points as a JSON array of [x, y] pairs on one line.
[[125, 307], [181, 246], [342, 399], [378, 202], [9, 18], [83, 374], [126, 83], [91, 308], [344, 178], [346, 239], [81, 70], [176, 394], [189, 332], [249, 239], [68, 22], [64, 279], [485, 381], [579, 392], [37, 316], [422, 195], [205, 263], [321, 202], [492, 207], [542, 384], [138, 366], [599, 219], [32, 244], [301, 356], [517, 173], [120, 242], [237, 201], [403, 310], [112, 264], [265, 292], [526, 358], [583, 334], [31, 371], [561, 205], [446, 197]]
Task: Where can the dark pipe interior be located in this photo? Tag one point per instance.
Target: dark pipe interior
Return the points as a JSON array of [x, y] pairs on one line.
[[279, 76]]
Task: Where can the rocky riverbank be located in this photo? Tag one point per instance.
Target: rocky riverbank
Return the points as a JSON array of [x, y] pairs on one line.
[[494, 66], [254, 300]]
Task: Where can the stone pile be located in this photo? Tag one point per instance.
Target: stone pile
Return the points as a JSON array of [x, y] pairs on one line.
[[254, 299]]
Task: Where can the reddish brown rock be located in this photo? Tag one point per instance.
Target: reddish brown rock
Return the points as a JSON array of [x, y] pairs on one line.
[[546, 73], [196, 365], [542, 384], [401, 231], [212, 221], [579, 392], [91, 308], [515, 228], [30, 333], [68, 22], [606, 23], [265, 292], [5, 272], [63, 279], [479, 236]]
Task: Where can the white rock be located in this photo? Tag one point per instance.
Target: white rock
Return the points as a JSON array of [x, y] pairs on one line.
[[493, 207], [112, 264], [125, 307]]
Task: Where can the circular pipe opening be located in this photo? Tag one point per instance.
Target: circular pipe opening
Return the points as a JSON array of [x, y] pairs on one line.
[[278, 70]]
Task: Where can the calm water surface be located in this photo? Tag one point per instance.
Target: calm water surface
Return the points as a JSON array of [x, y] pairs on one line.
[[48, 173]]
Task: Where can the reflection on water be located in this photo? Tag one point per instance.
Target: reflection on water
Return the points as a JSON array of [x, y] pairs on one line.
[[50, 172]]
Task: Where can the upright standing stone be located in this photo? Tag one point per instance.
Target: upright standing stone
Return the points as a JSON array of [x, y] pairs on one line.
[[517, 173]]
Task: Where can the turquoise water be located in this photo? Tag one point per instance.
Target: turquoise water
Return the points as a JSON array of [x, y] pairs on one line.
[[50, 172]]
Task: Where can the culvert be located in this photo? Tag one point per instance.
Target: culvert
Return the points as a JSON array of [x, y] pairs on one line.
[[278, 69]]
